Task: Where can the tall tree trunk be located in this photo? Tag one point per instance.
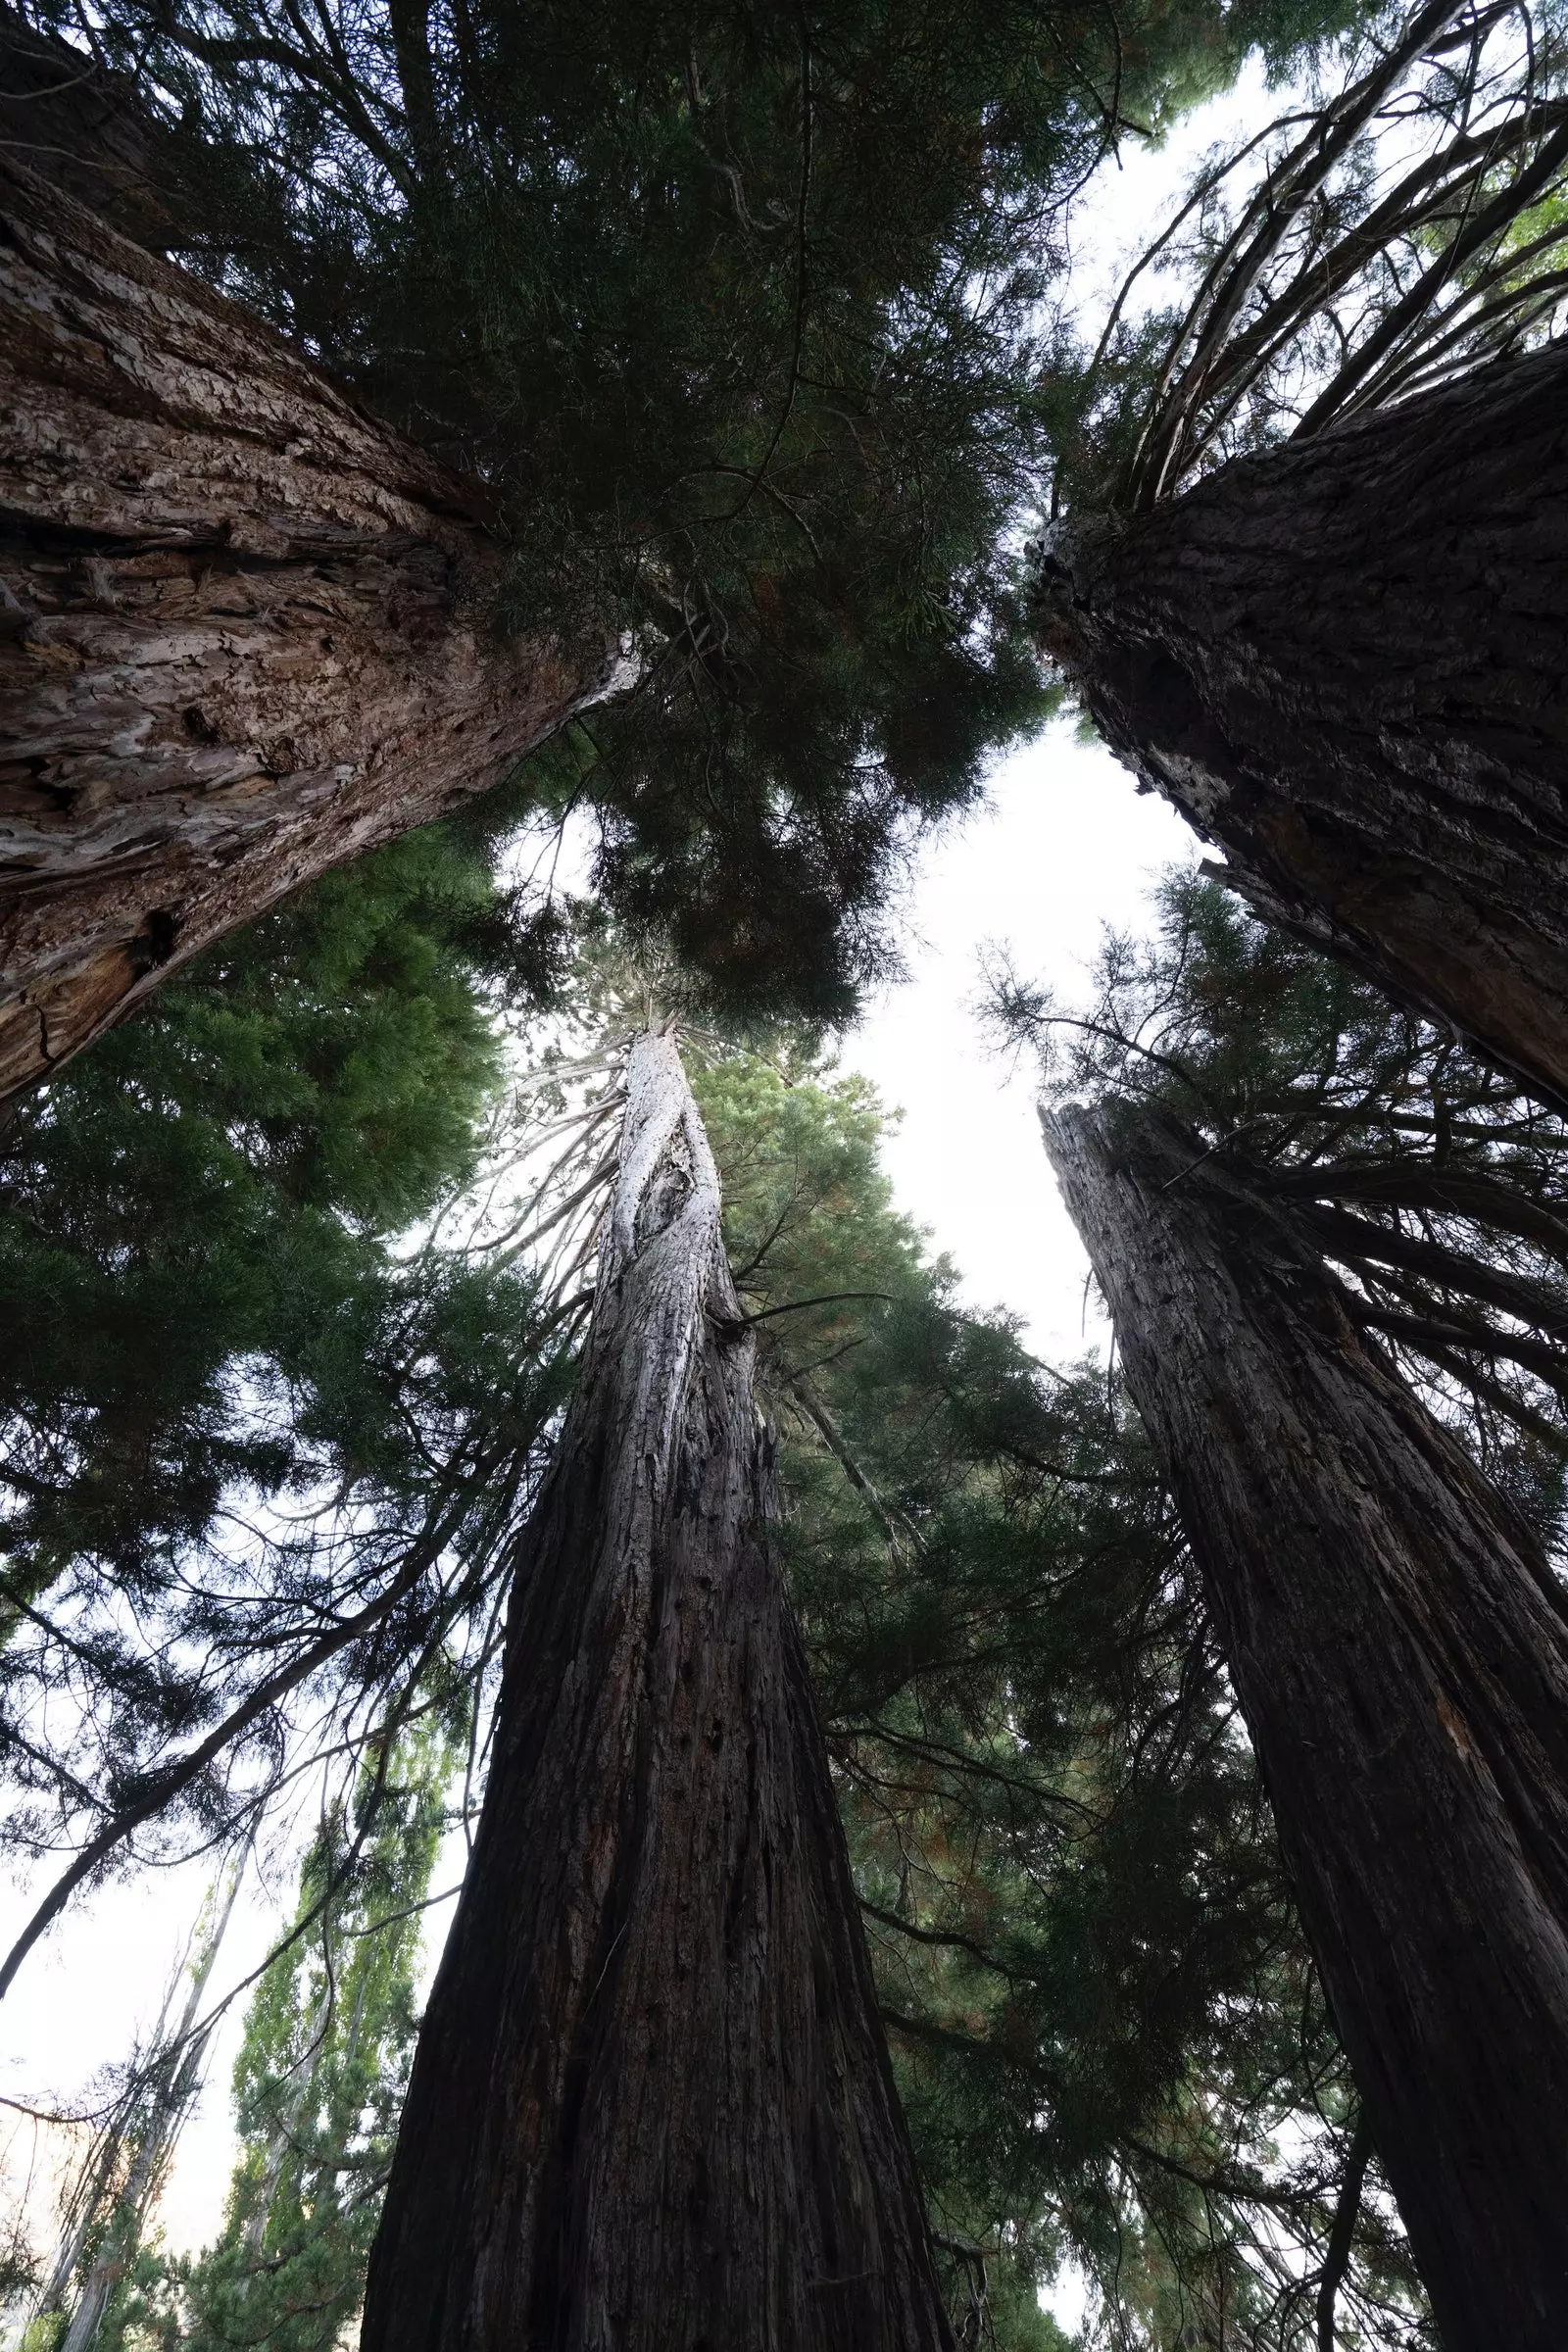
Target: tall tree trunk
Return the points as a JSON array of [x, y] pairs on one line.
[[242, 627], [1344, 661], [651, 2107], [1402, 1659]]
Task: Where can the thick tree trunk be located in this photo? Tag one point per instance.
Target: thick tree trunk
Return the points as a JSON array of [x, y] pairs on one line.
[[651, 2107], [242, 627], [1344, 661], [1402, 1664]]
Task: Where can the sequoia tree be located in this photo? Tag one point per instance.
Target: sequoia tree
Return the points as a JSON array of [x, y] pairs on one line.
[[1340, 653], [701, 349], [1400, 1650], [650, 2101], [245, 626]]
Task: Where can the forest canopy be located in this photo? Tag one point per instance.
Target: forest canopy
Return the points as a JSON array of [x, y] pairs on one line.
[[750, 337], [1105, 2025]]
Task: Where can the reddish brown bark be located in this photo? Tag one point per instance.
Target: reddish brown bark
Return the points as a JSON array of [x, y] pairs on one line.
[[1342, 661], [651, 2106], [243, 627], [1401, 1653]]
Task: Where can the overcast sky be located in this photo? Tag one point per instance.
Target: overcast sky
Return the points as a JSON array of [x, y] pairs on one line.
[[1063, 847]]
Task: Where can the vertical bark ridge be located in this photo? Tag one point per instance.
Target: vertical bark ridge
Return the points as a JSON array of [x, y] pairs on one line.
[[651, 2107], [1404, 1677], [1342, 662], [243, 630]]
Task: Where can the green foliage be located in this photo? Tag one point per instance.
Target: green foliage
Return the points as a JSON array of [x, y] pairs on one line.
[[735, 314], [1105, 2022], [320, 2075], [214, 1187]]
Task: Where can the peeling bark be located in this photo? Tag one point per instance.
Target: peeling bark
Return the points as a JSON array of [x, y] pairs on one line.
[[651, 2107], [242, 627], [1342, 661], [1401, 1658]]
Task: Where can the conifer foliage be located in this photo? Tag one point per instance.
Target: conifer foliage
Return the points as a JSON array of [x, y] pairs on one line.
[[321, 2076], [1309, 553], [218, 1185], [710, 335]]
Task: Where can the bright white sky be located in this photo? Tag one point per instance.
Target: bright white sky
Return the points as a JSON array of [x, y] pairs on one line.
[[1065, 846]]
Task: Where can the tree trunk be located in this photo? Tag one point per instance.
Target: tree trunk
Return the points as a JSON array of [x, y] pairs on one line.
[[1402, 1659], [651, 2106], [242, 627], [1344, 661], [173, 2079]]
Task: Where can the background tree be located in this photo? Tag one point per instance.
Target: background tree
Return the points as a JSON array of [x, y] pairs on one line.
[[321, 2073], [1309, 572], [108, 2208]]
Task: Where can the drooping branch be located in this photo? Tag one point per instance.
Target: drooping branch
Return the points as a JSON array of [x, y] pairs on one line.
[[1416, 261], [159, 1790], [1209, 350]]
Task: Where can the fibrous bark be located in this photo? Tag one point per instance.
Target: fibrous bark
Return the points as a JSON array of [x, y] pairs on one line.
[[243, 626], [1342, 661], [1401, 1658], [651, 2107]]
